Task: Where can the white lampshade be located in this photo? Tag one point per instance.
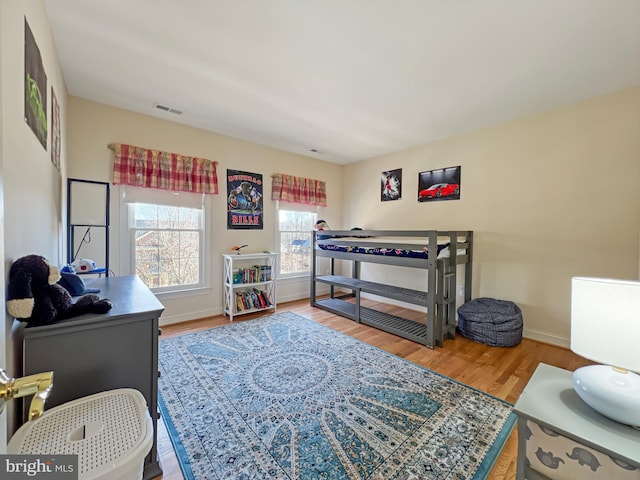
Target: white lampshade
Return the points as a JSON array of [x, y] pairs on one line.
[[605, 328], [605, 321]]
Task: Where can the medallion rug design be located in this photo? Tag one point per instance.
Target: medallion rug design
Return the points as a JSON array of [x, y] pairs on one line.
[[283, 397]]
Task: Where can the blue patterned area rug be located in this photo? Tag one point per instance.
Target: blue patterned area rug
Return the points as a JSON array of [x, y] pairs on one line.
[[283, 397]]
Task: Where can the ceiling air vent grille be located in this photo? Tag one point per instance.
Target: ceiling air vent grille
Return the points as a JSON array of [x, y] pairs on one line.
[[167, 109]]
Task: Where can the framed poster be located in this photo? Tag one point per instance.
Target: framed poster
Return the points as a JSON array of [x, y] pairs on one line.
[[244, 200], [391, 185], [440, 184], [35, 87], [55, 130]]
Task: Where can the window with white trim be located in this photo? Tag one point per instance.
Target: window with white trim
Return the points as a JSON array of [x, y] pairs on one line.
[[295, 239], [166, 240]]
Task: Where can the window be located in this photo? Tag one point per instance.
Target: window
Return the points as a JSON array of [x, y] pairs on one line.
[[294, 230], [167, 245]]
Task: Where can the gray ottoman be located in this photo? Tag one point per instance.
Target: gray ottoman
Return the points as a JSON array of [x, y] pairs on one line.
[[494, 322]]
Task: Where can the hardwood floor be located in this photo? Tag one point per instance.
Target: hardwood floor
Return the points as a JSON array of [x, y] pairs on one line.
[[502, 372]]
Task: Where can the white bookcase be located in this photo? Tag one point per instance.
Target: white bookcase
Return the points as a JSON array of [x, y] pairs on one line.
[[249, 283]]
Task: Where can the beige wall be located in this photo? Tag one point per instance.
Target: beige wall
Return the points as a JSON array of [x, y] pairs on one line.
[[32, 219], [549, 197], [33, 201], [93, 126]]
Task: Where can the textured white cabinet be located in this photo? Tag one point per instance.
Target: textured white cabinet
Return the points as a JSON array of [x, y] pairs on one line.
[[249, 283]]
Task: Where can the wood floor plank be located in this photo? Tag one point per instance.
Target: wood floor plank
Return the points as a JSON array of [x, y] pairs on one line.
[[502, 372]]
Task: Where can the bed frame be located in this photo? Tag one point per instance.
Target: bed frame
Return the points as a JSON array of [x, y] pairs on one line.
[[438, 295]]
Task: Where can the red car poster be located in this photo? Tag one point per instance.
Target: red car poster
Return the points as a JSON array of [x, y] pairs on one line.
[[440, 184]]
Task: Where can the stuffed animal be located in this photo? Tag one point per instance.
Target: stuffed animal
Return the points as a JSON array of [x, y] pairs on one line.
[[33, 296], [321, 225]]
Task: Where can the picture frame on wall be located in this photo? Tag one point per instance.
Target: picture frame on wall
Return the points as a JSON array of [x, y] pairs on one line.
[[55, 130], [244, 200], [439, 185], [35, 87], [391, 185]]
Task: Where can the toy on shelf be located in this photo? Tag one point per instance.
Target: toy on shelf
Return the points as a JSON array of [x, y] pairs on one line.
[[237, 249]]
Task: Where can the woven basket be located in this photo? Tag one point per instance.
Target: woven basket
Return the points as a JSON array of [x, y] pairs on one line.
[[494, 322]]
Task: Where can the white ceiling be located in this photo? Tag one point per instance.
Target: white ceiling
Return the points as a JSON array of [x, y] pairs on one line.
[[352, 79]]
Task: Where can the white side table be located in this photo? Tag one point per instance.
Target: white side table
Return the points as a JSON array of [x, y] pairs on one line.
[[561, 437]]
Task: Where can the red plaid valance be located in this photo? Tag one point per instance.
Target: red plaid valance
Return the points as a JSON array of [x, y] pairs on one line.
[[291, 189], [141, 167]]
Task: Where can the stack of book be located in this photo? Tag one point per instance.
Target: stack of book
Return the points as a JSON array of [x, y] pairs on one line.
[[265, 273], [254, 274], [252, 299]]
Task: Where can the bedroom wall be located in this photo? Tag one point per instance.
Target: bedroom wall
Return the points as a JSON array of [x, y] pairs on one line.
[[93, 126], [549, 197], [31, 218]]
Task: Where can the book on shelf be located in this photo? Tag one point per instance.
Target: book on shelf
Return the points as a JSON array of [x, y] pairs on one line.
[[265, 273], [252, 299], [254, 274]]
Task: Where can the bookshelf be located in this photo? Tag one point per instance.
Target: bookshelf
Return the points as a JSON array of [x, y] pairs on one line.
[[249, 283]]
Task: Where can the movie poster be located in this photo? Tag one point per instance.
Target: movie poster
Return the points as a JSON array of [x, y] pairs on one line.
[[244, 200], [35, 87], [391, 185]]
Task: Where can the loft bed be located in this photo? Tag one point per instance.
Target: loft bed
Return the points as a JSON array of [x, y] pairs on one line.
[[405, 248]]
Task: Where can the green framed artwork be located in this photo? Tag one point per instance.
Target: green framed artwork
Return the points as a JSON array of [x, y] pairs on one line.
[[35, 87]]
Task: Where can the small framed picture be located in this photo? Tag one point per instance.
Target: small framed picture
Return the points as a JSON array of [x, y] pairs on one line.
[[438, 185], [55, 130], [391, 185]]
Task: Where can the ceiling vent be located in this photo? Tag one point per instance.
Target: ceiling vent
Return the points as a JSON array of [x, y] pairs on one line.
[[167, 109]]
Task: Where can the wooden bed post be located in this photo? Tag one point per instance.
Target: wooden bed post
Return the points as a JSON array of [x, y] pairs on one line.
[[432, 260], [450, 289], [468, 270], [312, 290]]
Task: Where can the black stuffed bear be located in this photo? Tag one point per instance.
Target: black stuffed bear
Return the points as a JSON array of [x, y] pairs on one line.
[[35, 297]]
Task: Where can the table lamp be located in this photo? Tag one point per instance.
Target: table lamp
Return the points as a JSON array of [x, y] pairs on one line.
[[605, 328]]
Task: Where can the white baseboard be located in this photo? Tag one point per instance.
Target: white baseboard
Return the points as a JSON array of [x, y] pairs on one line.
[[190, 316], [546, 338], [292, 298], [169, 320]]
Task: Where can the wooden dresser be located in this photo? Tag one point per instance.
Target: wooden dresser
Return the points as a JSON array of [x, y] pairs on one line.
[[97, 352]]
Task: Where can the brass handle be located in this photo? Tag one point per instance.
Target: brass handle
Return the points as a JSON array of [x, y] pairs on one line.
[[39, 385]]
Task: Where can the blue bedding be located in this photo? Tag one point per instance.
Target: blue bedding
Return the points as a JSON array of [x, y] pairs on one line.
[[389, 252]]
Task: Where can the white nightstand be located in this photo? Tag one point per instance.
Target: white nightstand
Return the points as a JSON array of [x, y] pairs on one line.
[[561, 437]]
